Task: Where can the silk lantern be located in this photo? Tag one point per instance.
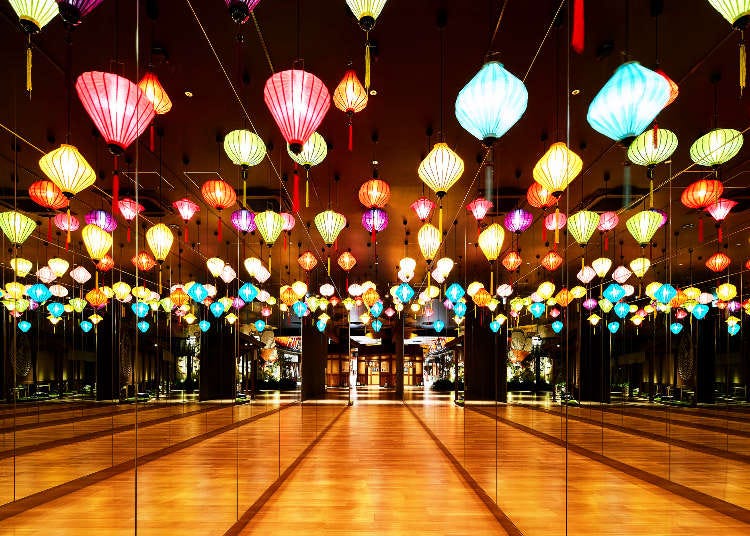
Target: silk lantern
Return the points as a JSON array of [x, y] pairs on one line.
[[717, 147], [440, 170], [423, 208], [350, 97], [245, 149], [187, 210], [33, 15], [314, 151], [16, 226], [219, 195], [240, 10]]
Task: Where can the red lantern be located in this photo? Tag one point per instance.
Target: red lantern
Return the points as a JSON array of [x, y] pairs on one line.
[[129, 210], [702, 193], [538, 197], [512, 261], [374, 193], [187, 209], [219, 195], [479, 208], [106, 263], [298, 102], [674, 89], [307, 261], [143, 261], [679, 314], [423, 208], [718, 262], [48, 195], [552, 261], [66, 223], [747, 264]]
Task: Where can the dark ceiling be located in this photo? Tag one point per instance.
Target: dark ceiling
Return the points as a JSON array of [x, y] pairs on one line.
[[696, 46]]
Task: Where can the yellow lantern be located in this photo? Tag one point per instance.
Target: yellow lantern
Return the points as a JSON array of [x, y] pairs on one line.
[[78, 304], [440, 170], [14, 290], [557, 168], [21, 266], [605, 305], [365, 317], [58, 266], [16, 226], [473, 288], [636, 319], [651, 289], [726, 291], [652, 148], [231, 318], [717, 147], [190, 318], [252, 265], [643, 226], [594, 319], [640, 266], [366, 11], [270, 224], [95, 319], [329, 224], [732, 320], [582, 225], [546, 290], [501, 318], [215, 266], [121, 290], [491, 241], [244, 148], [444, 265], [314, 151], [601, 266], [141, 293], [97, 241], [68, 170], [578, 291], [429, 241], [407, 265], [648, 309], [692, 293], [300, 289], [159, 238]]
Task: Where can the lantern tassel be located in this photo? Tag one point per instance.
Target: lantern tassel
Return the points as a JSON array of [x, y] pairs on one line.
[[578, 27], [67, 238], [743, 63], [96, 280], [307, 191], [160, 280], [329, 265], [721, 235], [367, 63], [440, 220], [655, 139], [186, 234], [269, 259], [651, 193], [244, 193], [557, 227], [28, 68], [295, 192], [151, 137], [128, 234], [218, 229], [350, 136], [700, 229], [492, 279], [606, 242]]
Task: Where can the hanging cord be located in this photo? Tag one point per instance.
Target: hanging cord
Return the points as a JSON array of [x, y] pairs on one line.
[[496, 30], [262, 42]]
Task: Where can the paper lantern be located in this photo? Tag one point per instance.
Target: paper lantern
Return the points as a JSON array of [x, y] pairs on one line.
[[552, 261], [423, 208], [444, 265], [101, 218], [628, 102], [479, 208], [640, 266], [582, 225], [347, 261], [16, 226], [160, 238], [39, 293], [21, 266], [68, 170], [329, 224], [665, 293], [718, 262], [374, 193], [215, 265], [614, 292], [155, 93], [608, 221], [512, 261], [366, 11], [120, 110], [96, 298], [307, 261], [702, 193], [518, 220], [720, 209], [491, 241], [106, 263], [187, 209], [129, 209], [298, 102], [58, 266], [736, 12], [244, 148], [652, 147], [34, 15], [350, 96], [482, 298], [717, 147], [80, 275], [46, 194], [374, 221], [72, 11], [491, 103], [601, 266], [441, 169], [97, 241], [586, 275], [66, 223], [243, 220], [643, 225], [726, 291], [557, 168], [429, 241], [540, 197], [219, 195]]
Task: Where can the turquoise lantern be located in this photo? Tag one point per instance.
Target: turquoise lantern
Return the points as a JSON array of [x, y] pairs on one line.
[[248, 292], [491, 103], [39, 293], [557, 326], [614, 292], [537, 309], [377, 309], [455, 292], [321, 325], [622, 309], [675, 328], [733, 329], [628, 102], [56, 309], [143, 326], [204, 325], [459, 309], [495, 326], [86, 326], [216, 308], [404, 292], [260, 325], [376, 325], [24, 326], [439, 326], [613, 327], [299, 308], [198, 292], [665, 293], [700, 311], [140, 309]]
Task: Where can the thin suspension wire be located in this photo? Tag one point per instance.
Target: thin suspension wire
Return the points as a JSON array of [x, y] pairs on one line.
[[497, 28], [544, 39]]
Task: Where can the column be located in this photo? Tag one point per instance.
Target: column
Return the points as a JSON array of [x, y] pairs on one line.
[[480, 359], [217, 372], [313, 366]]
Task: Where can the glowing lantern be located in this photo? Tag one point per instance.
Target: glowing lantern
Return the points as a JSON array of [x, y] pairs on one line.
[[717, 147], [552, 261], [298, 102], [613, 327], [578, 292], [159, 238], [545, 290], [628, 102], [702, 193], [652, 148], [374, 193], [518, 220], [39, 293], [537, 309], [601, 266], [557, 326], [244, 148], [429, 241], [720, 208], [269, 225], [350, 97], [614, 292], [46, 194], [491, 103], [96, 298], [444, 265], [300, 289], [374, 221], [718, 262], [479, 208], [539, 197], [243, 220], [329, 225], [586, 275], [219, 195], [215, 265], [640, 266], [621, 274], [665, 293], [21, 266], [307, 261], [582, 225], [482, 298], [491, 241], [347, 261], [16, 226], [248, 292], [129, 210], [594, 319], [423, 208], [557, 168], [66, 223], [608, 221], [440, 170], [643, 225], [187, 209], [555, 221], [58, 266], [80, 275], [726, 292], [512, 261], [106, 263], [97, 241]]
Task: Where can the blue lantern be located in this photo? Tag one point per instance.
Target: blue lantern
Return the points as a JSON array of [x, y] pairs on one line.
[[143, 326], [439, 326], [248, 292], [628, 102], [140, 309], [321, 325], [86, 326], [299, 308], [404, 292], [198, 292], [622, 310], [455, 292], [700, 311], [495, 326], [376, 309], [665, 293], [39, 293], [614, 292], [537, 309], [459, 309], [491, 103], [205, 325], [260, 325], [557, 326], [217, 309], [613, 327], [733, 329], [675, 328], [376, 325], [56, 309], [24, 325]]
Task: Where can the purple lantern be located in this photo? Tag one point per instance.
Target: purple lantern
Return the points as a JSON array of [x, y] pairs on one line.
[[448, 304], [590, 304], [734, 306], [664, 216], [517, 221], [238, 303], [72, 11], [102, 219], [375, 220], [243, 220]]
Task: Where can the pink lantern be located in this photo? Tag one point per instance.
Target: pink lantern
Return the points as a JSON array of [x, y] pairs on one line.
[[607, 221], [240, 10], [518, 220], [423, 208], [288, 225], [479, 208], [187, 210], [129, 210]]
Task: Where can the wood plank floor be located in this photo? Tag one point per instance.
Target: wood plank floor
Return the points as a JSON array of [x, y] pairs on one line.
[[375, 472]]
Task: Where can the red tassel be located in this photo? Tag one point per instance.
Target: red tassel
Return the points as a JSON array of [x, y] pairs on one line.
[[350, 136], [700, 230], [218, 229], [295, 193], [656, 134], [151, 144], [721, 235], [576, 41], [372, 238], [115, 192], [186, 234], [49, 229], [336, 245], [128, 234], [606, 242], [544, 233]]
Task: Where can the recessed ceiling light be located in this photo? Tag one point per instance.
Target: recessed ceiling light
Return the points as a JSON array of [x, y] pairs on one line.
[[373, 92], [575, 92], [375, 162], [188, 93]]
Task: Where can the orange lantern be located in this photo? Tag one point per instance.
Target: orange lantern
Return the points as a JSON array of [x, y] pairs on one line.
[[718, 262], [563, 297], [482, 297], [106, 263], [219, 195], [307, 261], [350, 96], [512, 261], [288, 296], [370, 297], [179, 297], [374, 193], [539, 197], [552, 261], [143, 261], [96, 298]]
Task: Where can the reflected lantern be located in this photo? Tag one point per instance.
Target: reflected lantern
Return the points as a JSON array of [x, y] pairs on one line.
[[717, 147], [628, 102], [491, 103], [557, 168], [582, 225]]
